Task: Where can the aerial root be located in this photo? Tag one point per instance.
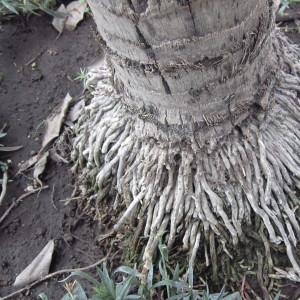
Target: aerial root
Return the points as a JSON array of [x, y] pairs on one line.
[[208, 200]]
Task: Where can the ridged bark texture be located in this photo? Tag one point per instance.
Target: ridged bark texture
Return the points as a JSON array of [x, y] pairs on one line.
[[194, 129], [180, 65]]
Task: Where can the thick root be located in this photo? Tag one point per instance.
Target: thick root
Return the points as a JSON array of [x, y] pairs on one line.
[[209, 199]]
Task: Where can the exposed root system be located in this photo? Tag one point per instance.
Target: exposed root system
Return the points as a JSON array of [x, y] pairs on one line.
[[215, 200]]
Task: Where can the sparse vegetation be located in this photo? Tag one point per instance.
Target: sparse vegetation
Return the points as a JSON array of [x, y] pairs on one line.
[[26, 7], [126, 283], [82, 76], [285, 4]]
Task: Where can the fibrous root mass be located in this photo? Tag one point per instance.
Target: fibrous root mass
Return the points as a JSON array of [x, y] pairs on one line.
[[203, 196]]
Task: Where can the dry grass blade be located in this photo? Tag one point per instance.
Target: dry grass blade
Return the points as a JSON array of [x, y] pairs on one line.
[[4, 185], [4, 166], [39, 167]]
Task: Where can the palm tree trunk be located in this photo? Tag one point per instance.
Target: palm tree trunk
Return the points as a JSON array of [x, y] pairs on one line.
[[183, 63], [195, 124]]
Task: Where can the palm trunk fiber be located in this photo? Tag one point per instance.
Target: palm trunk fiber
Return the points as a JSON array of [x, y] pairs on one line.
[[194, 128]]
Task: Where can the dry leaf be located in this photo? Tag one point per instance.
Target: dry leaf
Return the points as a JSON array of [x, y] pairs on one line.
[[39, 167], [53, 127], [59, 21], [38, 268], [54, 123], [76, 11]]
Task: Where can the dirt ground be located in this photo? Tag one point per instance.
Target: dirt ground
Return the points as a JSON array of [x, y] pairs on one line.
[[28, 93], [27, 96]]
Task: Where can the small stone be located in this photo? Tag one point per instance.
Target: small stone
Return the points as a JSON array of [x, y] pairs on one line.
[[52, 52], [29, 188], [36, 75]]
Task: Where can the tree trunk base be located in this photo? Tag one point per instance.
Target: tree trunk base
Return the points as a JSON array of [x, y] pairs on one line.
[[215, 200]]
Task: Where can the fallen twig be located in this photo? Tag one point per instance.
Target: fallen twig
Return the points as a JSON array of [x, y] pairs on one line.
[[35, 57], [4, 186], [68, 200], [52, 197], [15, 203], [52, 275], [100, 261]]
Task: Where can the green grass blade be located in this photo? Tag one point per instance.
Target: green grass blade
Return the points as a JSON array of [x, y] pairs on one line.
[[9, 6]]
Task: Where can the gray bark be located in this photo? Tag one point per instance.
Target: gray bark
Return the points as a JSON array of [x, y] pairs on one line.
[[190, 67]]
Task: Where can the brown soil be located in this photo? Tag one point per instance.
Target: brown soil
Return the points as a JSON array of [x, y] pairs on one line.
[[28, 94]]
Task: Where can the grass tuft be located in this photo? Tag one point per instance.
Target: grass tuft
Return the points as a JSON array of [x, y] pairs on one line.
[[24, 7], [284, 4], [124, 283]]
